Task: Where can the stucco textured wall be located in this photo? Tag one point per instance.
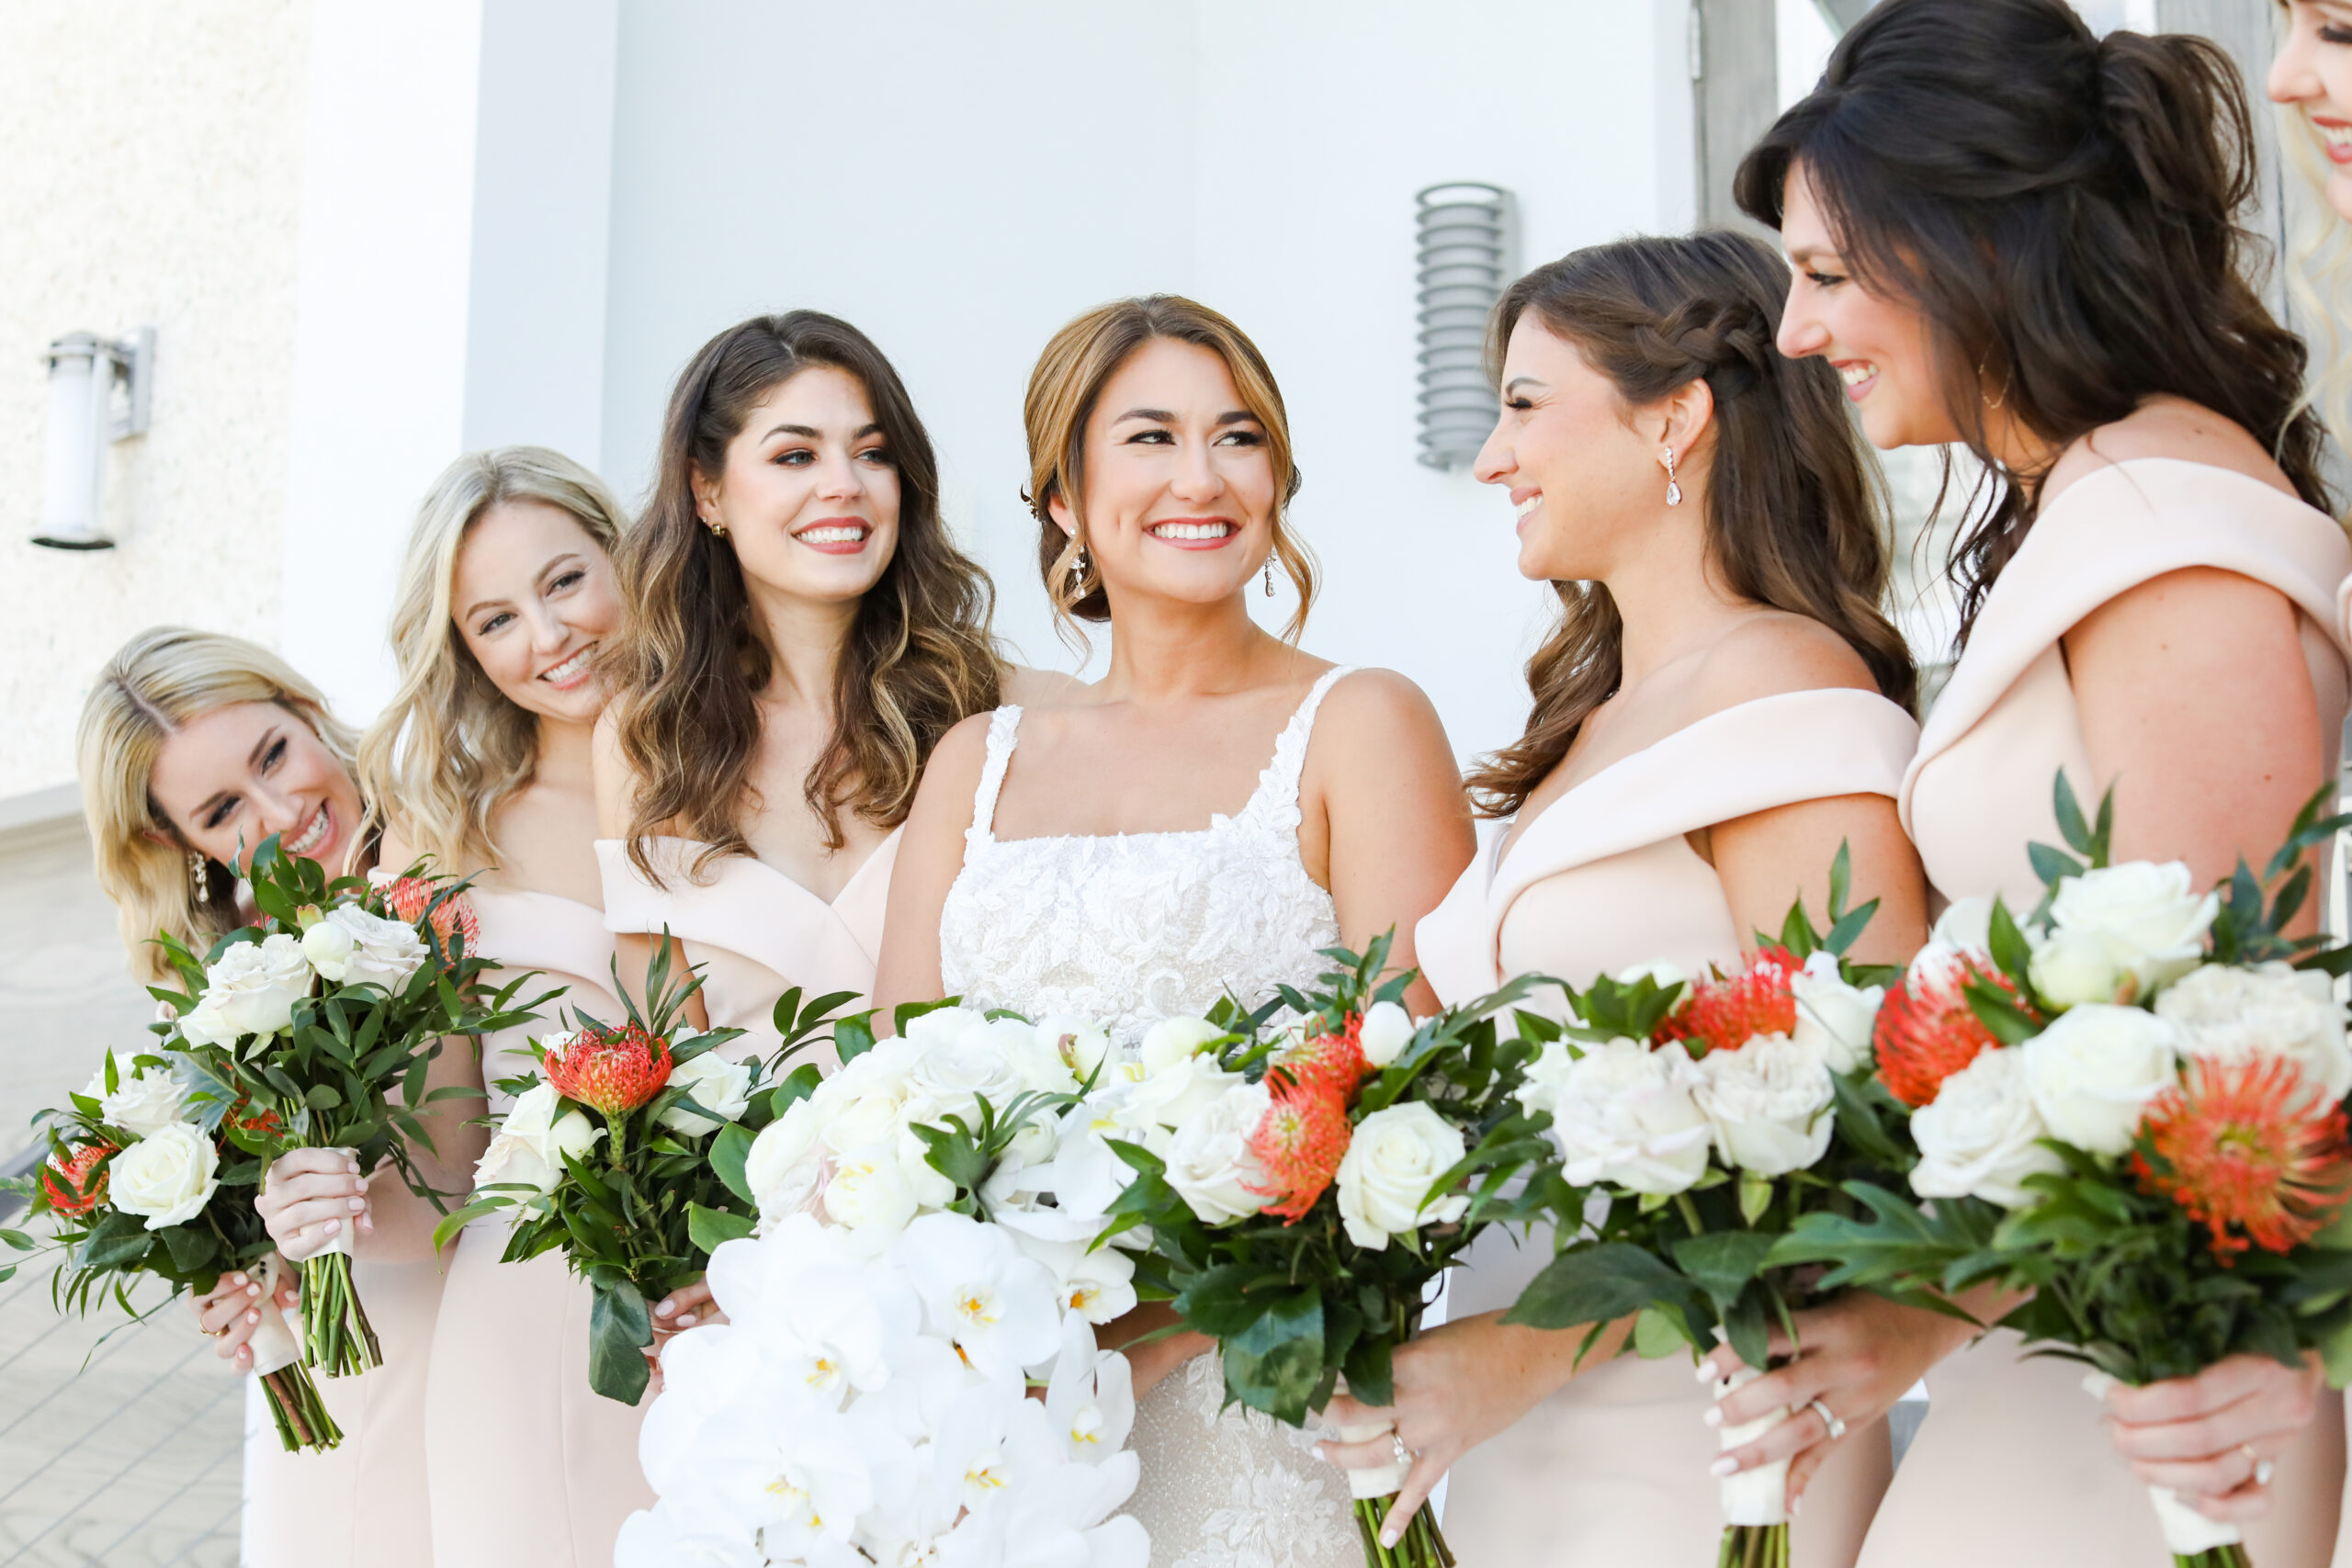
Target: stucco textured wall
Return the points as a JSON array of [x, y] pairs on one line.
[[153, 177]]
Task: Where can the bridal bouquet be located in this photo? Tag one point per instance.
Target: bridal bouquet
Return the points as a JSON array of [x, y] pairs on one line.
[[1697, 1121], [608, 1154], [318, 1025], [144, 1182], [2130, 1106], [1301, 1188]]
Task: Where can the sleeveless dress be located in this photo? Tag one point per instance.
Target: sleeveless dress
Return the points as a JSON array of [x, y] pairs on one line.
[[529, 1467], [1612, 1468], [2012, 1463], [1126, 929], [752, 931]]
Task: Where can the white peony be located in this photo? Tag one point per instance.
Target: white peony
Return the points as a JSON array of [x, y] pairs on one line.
[[2229, 1015], [531, 1141], [166, 1177], [1393, 1157], [1386, 1030], [1622, 1114], [352, 947], [722, 1087], [1209, 1163], [1770, 1103], [2152, 916], [1834, 1016], [2093, 1071], [869, 1194], [250, 991], [142, 1102], [1981, 1136]]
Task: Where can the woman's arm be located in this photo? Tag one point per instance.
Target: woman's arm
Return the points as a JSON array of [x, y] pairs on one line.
[[931, 852], [1384, 824], [616, 785], [1771, 859]]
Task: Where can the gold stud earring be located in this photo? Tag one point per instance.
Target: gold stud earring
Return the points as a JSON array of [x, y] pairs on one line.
[[718, 530], [1673, 488]]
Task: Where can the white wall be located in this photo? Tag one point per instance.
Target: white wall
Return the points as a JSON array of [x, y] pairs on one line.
[[960, 181]]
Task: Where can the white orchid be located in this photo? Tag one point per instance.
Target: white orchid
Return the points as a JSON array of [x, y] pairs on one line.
[[979, 1289]]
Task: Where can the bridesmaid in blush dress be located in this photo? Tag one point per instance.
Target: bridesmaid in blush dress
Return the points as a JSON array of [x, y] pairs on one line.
[[800, 630], [480, 763], [1721, 707], [2148, 594]]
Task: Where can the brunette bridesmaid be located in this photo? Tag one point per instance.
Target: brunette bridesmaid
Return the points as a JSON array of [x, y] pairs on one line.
[[1721, 707], [800, 631], [193, 748], [2014, 235], [481, 765]]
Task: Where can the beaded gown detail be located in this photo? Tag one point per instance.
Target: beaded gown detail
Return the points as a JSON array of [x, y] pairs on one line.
[[1127, 929]]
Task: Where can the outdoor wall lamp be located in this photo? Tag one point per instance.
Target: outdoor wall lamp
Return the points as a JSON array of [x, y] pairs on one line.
[[1467, 234], [84, 370]]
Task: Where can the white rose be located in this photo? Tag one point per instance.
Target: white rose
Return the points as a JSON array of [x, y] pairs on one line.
[[1210, 1165], [869, 1194], [166, 1176], [953, 1076], [1834, 1016], [1623, 1114], [1770, 1103], [2070, 968], [722, 1087], [1178, 1080], [1392, 1158], [1386, 1030], [142, 1104], [942, 1026], [2093, 1071], [1980, 1138], [787, 1163], [2151, 914], [352, 947], [251, 990], [1966, 923], [531, 1141], [1671, 978], [2230, 1015]]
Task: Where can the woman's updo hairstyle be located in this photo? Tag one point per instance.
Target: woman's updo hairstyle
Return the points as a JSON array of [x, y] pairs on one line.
[[2061, 207], [1795, 516], [1064, 391]]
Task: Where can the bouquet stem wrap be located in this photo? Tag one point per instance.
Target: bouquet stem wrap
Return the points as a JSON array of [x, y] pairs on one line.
[[337, 1338], [1754, 1502], [295, 1406], [2194, 1540], [1374, 1490]]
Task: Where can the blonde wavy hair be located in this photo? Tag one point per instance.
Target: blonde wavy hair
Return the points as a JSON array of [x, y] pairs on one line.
[[450, 747], [155, 685], [2320, 281], [1063, 391]]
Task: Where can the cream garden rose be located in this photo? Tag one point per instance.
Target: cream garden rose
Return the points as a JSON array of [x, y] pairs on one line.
[[350, 946], [1979, 1138], [166, 1177], [1392, 1158], [532, 1141], [2152, 916], [722, 1087], [1622, 1114], [2094, 1069], [1767, 1103], [250, 991], [1209, 1162], [1832, 1015], [2230, 1015], [785, 1166], [142, 1104]]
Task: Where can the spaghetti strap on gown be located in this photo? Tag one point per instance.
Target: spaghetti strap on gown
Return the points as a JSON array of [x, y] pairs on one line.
[[2012, 1463], [1612, 1467], [1127, 929]]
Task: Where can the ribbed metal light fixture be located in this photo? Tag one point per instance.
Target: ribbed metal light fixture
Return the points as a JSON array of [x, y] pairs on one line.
[[1466, 233]]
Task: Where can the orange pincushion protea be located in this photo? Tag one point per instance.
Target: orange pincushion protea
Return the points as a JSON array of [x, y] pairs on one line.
[[78, 1185], [2240, 1146], [614, 1070], [1926, 1030], [407, 897], [1729, 1010], [1330, 1061], [1299, 1142]]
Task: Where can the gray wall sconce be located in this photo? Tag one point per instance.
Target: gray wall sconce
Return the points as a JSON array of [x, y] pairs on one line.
[[1467, 239], [83, 371]]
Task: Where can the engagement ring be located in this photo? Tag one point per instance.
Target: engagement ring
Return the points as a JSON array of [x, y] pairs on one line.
[[1837, 1427]]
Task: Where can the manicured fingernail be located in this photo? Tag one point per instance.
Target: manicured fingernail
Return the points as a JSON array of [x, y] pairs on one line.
[[1706, 1373], [333, 1226], [686, 1320], [1388, 1536], [1714, 1415], [357, 1204], [1320, 1454], [253, 1317], [240, 1279], [1723, 1466], [352, 1166], [665, 1309], [1796, 1506]]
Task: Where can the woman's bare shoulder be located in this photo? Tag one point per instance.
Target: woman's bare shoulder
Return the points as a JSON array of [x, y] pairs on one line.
[[2166, 427], [1028, 688]]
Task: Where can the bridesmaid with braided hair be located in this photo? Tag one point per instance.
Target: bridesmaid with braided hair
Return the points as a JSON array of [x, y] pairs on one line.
[[1721, 704]]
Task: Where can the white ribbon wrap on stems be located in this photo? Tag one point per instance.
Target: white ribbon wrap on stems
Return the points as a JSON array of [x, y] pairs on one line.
[[2186, 1532], [1381, 1480], [272, 1342], [1760, 1496]]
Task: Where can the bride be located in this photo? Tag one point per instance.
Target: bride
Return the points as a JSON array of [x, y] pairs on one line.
[[1183, 828]]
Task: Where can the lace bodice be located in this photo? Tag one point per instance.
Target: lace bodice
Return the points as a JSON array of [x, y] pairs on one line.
[[1129, 928]]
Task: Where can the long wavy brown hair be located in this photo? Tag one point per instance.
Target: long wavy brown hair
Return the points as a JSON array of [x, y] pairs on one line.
[[1796, 514], [690, 658], [2062, 209]]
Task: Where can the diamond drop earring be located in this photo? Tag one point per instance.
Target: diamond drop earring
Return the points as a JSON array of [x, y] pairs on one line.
[[1078, 570], [1673, 489], [1270, 577], [198, 884]]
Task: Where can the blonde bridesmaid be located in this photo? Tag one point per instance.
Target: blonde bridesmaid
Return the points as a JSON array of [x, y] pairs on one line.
[[2014, 236], [193, 748], [800, 630], [481, 765], [2311, 81], [1721, 706]]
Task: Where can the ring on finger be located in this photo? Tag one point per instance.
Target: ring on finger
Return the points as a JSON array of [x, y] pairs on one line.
[[2263, 1469], [1405, 1456], [1837, 1427]]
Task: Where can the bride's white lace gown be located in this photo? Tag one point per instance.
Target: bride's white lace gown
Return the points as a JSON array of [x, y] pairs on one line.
[[1126, 929]]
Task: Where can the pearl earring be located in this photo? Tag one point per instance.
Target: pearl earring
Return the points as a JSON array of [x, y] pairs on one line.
[[1673, 488], [200, 885], [1270, 577]]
